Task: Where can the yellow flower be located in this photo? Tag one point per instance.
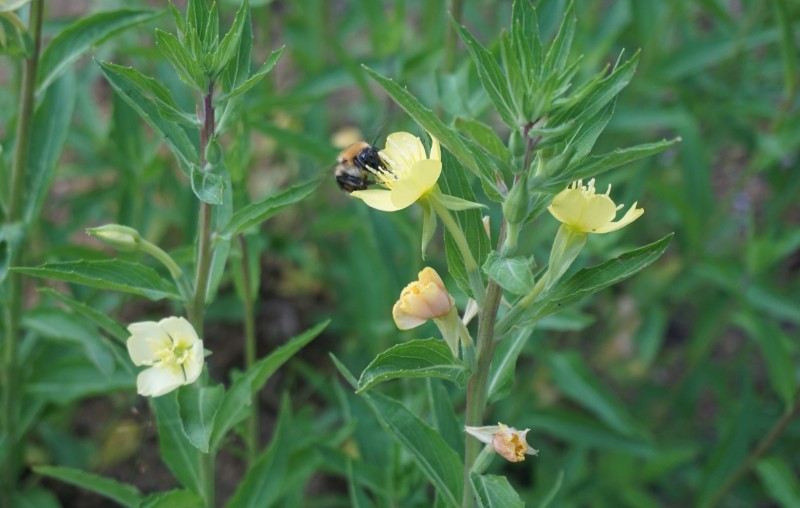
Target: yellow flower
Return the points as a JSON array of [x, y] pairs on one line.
[[422, 300], [507, 441], [579, 208], [172, 350], [409, 173]]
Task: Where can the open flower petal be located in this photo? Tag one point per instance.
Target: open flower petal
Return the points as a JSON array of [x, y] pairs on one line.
[[421, 177], [631, 215], [157, 381], [582, 210], [436, 150], [379, 199], [146, 337], [403, 149], [172, 349]]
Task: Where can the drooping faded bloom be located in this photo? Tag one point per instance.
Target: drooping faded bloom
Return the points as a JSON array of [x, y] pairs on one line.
[[172, 351], [421, 300], [580, 209], [409, 175], [508, 442]]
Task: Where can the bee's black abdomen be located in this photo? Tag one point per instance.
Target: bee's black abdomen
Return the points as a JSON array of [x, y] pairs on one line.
[[350, 183]]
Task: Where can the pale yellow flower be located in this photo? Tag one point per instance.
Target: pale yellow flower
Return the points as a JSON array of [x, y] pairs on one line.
[[409, 175], [579, 208], [172, 350], [508, 442], [421, 300]]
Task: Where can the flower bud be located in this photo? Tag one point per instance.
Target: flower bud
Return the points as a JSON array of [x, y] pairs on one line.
[[421, 300], [120, 237], [515, 207]]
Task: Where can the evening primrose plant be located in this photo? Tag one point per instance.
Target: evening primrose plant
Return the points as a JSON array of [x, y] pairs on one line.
[[551, 125], [195, 414]]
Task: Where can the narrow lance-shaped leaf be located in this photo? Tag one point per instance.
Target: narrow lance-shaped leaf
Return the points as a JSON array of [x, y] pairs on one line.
[[178, 454], [48, 135], [236, 404], [79, 37], [255, 78], [126, 495], [113, 274], [493, 491], [256, 213], [417, 358], [189, 70], [492, 78], [123, 81]]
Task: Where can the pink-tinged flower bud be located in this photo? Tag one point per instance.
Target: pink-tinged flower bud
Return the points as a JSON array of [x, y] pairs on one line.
[[422, 300]]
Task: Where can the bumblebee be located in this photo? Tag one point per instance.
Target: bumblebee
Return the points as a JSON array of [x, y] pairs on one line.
[[355, 164]]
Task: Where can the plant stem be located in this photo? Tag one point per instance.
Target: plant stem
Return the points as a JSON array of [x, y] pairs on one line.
[[456, 8], [202, 266], [249, 349], [14, 307], [473, 270], [476, 388], [763, 445]]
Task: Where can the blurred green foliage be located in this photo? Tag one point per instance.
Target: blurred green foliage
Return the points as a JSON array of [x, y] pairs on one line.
[[652, 394]]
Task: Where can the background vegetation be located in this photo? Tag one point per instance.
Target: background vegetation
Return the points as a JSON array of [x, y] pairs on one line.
[[676, 388]]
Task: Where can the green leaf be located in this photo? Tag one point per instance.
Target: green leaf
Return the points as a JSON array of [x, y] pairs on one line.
[[237, 400], [439, 462], [454, 182], [188, 68], [573, 378], [12, 5], [51, 123], [113, 274], [417, 358], [100, 319], [256, 78], [598, 164], [34, 497], [779, 480], [492, 78], [777, 350], [471, 157], [198, 407], [208, 186], [504, 362], [485, 136], [263, 481], [493, 491], [513, 274], [126, 495], [173, 499], [443, 416], [177, 452], [585, 282], [59, 325], [79, 37], [789, 51], [556, 58], [256, 213], [229, 47], [147, 98]]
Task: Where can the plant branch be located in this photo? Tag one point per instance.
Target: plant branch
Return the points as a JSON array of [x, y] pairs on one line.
[[14, 288], [249, 349]]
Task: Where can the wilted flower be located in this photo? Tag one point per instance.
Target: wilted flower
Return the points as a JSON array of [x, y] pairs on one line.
[[579, 208], [507, 441], [172, 350], [409, 173], [422, 300]]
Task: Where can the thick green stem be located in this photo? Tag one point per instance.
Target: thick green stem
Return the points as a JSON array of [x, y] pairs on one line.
[[249, 348], [202, 268], [14, 287], [477, 386]]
